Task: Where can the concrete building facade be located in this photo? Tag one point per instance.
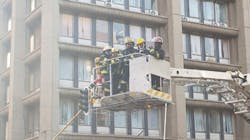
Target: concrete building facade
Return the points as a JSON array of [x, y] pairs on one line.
[[47, 48]]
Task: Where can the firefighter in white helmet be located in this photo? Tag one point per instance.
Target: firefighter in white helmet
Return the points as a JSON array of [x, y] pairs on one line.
[[157, 50]]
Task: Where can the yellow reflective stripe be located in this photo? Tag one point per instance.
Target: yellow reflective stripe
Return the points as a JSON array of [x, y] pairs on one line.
[[156, 93], [150, 91]]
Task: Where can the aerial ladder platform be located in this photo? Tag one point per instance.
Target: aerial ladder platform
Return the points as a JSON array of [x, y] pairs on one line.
[[150, 83]]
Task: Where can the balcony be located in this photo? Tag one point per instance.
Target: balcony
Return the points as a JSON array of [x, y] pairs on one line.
[[207, 104], [80, 48], [189, 26], [118, 14], [33, 56], [204, 65], [32, 97]]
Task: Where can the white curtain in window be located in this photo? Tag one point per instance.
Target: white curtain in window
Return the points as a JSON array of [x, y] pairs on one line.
[[195, 45], [150, 5], [137, 119], [66, 109], [209, 46], [199, 120], [85, 28], [183, 7], [32, 42], [84, 70], [9, 24], [194, 8], [67, 25], [221, 12], [120, 119], [184, 45], [135, 32], [135, 3], [66, 67], [214, 122], [228, 123], [208, 10], [102, 34], [153, 119], [32, 5], [118, 33], [118, 1], [8, 60], [188, 120]]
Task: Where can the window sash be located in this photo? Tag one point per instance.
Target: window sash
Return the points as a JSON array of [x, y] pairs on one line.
[[209, 47], [135, 32], [195, 45], [199, 120], [102, 32], [67, 25], [227, 123], [208, 10], [85, 27], [135, 3], [67, 108], [214, 122], [66, 67], [194, 8], [84, 70], [118, 33]]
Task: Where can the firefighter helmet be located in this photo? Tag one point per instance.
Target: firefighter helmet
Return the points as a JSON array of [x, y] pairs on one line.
[[114, 50], [128, 40], [97, 60], [157, 39], [140, 41], [106, 48]]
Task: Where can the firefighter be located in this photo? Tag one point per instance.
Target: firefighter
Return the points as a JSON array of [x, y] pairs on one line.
[[105, 61], [157, 50], [116, 70], [141, 44], [128, 53]]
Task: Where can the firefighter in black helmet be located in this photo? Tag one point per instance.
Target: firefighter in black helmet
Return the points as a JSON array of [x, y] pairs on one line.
[[157, 50]]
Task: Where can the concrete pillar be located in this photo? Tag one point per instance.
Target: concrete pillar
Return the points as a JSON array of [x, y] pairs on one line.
[[176, 117], [243, 22], [17, 92], [49, 97]]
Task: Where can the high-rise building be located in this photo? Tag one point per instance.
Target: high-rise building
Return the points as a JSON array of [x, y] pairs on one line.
[[47, 48]]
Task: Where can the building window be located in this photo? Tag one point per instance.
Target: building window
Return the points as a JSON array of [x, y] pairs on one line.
[[221, 14], [135, 32], [150, 33], [210, 49], [227, 123], [118, 35], [198, 92], [35, 39], [102, 33], [67, 28], [66, 110], [214, 122], [195, 47], [184, 44], [150, 5], [66, 70], [214, 12], [199, 120], [84, 70], [153, 119], [84, 30], [208, 10], [135, 5], [120, 4], [102, 121], [188, 120], [194, 10], [137, 121], [32, 5], [34, 77], [9, 24], [33, 121], [224, 51]]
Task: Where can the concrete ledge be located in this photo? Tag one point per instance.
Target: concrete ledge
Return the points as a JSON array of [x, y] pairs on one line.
[[34, 15], [32, 97], [109, 12], [30, 57], [207, 104], [4, 110], [5, 73], [203, 65], [94, 50], [209, 29], [6, 37], [105, 137]]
